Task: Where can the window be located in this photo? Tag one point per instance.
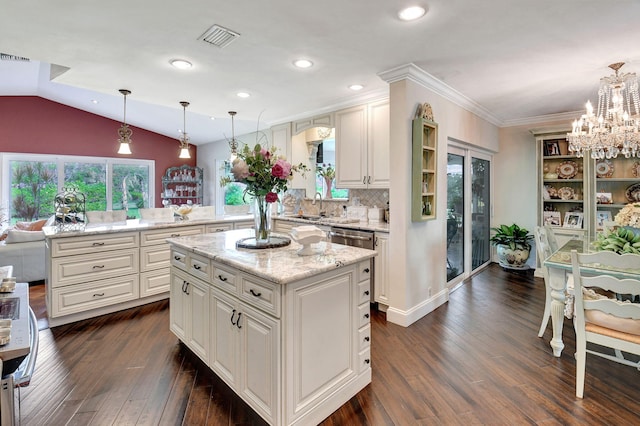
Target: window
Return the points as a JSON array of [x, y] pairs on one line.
[[31, 181]]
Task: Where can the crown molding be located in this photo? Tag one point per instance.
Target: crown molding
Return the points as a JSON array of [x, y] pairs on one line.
[[541, 119]]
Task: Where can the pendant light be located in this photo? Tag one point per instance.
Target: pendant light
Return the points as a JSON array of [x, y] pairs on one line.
[[233, 143], [184, 140], [124, 132]]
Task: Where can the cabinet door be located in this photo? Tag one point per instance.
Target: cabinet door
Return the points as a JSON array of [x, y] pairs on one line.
[[224, 357], [381, 271], [260, 368], [281, 139], [197, 315], [351, 147], [378, 145], [177, 311]]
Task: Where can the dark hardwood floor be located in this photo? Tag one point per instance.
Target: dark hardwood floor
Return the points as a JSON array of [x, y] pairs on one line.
[[475, 360]]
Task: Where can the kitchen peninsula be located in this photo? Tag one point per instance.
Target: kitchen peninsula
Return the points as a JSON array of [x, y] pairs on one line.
[[107, 267], [290, 334]]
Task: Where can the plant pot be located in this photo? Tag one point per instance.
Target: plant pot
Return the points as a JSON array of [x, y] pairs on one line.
[[516, 259]]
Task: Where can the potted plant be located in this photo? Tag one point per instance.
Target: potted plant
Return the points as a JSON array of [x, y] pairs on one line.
[[512, 244]]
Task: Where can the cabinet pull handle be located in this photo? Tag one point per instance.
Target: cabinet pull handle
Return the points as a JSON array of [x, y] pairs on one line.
[[196, 267], [175, 235], [238, 322], [98, 266], [219, 230], [186, 288], [364, 179], [233, 314], [221, 278], [177, 257], [98, 294], [366, 270], [366, 315], [366, 339], [367, 361], [254, 293], [376, 242], [369, 179], [98, 244], [366, 293]]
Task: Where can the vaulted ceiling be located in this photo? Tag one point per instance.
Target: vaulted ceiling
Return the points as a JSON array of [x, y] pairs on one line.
[[517, 60]]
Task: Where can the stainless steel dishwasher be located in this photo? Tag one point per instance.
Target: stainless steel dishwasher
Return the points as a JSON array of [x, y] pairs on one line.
[[356, 238]]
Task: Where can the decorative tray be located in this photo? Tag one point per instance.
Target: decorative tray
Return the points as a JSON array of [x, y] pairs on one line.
[[604, 168], [274, 242], [567, 169]]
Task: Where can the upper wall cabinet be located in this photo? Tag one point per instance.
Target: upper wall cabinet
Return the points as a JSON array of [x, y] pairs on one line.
[[324, 120], [281, 139], [362, 146]]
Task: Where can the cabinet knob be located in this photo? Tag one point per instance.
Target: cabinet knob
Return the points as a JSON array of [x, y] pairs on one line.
[[367, 338], [366, 270], [366, 315], [366, 293], [367, 361]]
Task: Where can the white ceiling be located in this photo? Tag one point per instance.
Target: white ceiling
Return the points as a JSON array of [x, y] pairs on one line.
[[517, 59]]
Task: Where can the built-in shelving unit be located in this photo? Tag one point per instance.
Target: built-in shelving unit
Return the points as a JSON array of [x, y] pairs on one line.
[[182, 185], [424, 166]]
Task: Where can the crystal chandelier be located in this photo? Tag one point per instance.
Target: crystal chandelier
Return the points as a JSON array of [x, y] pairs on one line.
[[124, 132], [184, 140], [612, 130], [233, 143]]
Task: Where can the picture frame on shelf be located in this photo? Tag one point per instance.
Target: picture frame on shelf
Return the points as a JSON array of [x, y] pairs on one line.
[[551, 148], [602, 217], [573, 220], [604, 198], [552, 218]]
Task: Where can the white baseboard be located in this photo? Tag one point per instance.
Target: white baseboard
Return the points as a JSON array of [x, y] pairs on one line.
[[408, 317]]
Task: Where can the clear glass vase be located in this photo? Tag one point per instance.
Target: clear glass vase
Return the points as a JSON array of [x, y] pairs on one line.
[[262, 217]]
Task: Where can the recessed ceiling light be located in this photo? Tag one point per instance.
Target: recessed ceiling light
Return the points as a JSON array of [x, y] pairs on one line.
[[243, 94], [181, 64], [303, 63], [212, 118], [94, 101], [356, 87], [412, 13]]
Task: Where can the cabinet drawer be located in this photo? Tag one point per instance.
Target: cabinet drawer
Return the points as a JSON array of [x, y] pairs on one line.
[[199, 266], [364, 292], [83, 297], [158, 236], [154, 257], [363, 315], [179, 258], [364, 338], [218, 227], [261, 294], [245, 224], [225, 279], [80, 269], [364, 360], [93, 244], [364, 270], [155, 282]]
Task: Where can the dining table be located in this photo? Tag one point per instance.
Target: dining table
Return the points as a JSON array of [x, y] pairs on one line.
[[559, 267]]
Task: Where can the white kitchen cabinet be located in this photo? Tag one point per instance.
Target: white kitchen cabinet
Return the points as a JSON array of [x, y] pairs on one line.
[[218, 227], [281, 139], [244, 224], [381, 281], [191, 299], [323, 120], [362, 146]]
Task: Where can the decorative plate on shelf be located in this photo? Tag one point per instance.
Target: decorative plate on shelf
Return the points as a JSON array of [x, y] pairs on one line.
[[553, 193], [566, 193], [635, 169], [604, 168], [633, 193], [567, 169]]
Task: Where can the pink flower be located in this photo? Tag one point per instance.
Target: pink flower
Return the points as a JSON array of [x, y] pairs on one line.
[[281, 169], [271, 197], [240, 169], [266, 154]]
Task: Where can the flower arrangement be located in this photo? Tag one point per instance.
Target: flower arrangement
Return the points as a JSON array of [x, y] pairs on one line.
[[326, 171], [629, 215], [263, 173]]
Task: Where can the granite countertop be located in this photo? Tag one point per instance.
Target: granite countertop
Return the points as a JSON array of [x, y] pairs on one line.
[[136, 225], [339, 222], [18, 346], [279, 265]]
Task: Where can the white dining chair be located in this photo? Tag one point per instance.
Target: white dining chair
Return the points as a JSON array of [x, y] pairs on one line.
[[604, 320], [543, 250]]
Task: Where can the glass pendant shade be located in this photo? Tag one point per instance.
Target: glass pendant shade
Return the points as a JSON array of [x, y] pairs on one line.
[[184, 140], [233, 143], [124, 132], [184, 153]]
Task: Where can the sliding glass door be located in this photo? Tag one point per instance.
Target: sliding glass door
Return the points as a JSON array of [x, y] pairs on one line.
[[468, 212]]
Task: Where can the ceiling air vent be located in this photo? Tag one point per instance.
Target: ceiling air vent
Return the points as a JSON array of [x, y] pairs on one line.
[[219, 36], [7, 57]]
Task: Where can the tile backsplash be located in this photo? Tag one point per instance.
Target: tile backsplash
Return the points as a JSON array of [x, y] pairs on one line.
[[366, 197]]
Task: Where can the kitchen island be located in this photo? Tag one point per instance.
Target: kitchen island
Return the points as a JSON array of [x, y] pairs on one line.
[[289, 334]]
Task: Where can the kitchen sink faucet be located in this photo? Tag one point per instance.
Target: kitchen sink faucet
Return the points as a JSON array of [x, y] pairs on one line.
[[315, 197]]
